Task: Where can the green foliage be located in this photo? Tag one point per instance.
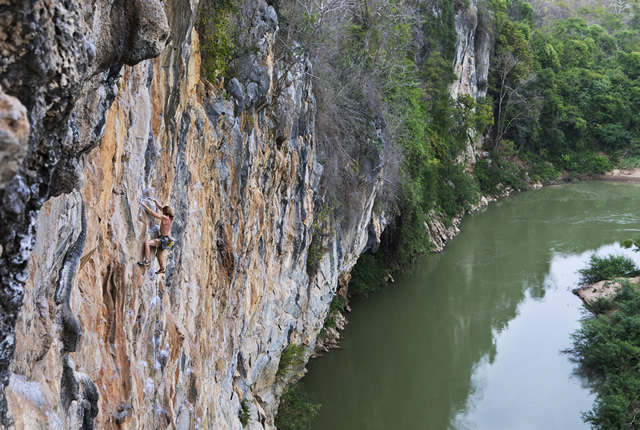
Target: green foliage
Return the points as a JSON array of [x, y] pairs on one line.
[[608, 349], [600, 305], [603, 268], [217, 40], [439, 29], [580, 79], [368, 274], [483, 116], [335, 308], [457, 190], [630, 162], [631, 243], [292, 356], [541, 170], [297, 409], [493, 175], [243, 414], [321, 232], [584, 163]]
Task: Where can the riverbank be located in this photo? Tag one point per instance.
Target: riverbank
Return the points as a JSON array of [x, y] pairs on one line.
[[601, 290], [622, 175]]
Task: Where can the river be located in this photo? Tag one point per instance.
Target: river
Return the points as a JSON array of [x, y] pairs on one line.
[[471, 337]]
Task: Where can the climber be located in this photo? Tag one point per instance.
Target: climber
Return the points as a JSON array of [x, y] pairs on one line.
[[164, 241]]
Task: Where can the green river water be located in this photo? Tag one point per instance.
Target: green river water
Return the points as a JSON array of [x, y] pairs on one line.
[[471, 338]]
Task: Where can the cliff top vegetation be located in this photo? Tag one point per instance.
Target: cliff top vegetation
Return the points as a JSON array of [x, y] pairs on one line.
[[562, 96]]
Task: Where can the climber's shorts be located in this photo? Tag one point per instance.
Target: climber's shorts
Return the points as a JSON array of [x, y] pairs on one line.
[[165, 242]]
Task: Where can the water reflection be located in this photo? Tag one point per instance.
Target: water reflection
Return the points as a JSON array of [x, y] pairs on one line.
[[445, 346]]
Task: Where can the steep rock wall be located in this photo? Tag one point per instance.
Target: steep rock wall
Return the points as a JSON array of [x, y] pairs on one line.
[[49, 71], [471, 62], [100, 341]]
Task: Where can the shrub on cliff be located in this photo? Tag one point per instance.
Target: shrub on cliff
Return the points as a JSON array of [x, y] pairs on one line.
[[292, 356], [297, 409], [493, 175], [216, 36], [244, 413], [368, 275]]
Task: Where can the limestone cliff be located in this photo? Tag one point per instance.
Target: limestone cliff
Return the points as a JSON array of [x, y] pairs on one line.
[[102, 106], [471, 62]]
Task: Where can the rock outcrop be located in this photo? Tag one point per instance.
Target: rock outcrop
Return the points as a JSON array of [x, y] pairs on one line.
[[601, 290], [471, 62], [91, 126], [52, 82]]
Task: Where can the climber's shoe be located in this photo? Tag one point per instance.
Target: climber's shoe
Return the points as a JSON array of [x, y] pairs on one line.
[[143, 263], [160, 271]]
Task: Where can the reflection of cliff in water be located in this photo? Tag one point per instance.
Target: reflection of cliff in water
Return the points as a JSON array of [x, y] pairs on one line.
[[409, 351]]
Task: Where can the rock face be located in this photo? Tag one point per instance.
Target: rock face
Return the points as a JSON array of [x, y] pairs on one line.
[[471, 63], [90, 127], [53, 87]]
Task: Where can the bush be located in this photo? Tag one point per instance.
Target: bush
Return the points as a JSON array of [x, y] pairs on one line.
[[291, 356], [216, 36], [243, 413], [411, 230], [335, 308], [457, 191], [585, 163], [600, 306], [368, 274], [630, 162], [608, 350], [542, 171], [297, 409], [492, 173], [603, 268], [599, 164]]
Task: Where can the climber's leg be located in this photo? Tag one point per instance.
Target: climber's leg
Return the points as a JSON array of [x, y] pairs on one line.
[[159, 253], [147, 251]]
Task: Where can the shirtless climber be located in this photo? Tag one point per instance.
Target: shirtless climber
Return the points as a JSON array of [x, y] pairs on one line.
[[164, 241]]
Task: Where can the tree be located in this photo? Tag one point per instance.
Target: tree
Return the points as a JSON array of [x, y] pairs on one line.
[[518, 104]]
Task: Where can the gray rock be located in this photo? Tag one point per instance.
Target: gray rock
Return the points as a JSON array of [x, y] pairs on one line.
[[136, 30], [236, 90], [14, 137]]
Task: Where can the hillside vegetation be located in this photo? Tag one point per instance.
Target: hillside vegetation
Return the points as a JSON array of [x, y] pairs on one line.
[[561, 101]]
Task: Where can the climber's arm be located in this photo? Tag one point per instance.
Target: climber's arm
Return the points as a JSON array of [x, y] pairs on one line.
[[152, 213]]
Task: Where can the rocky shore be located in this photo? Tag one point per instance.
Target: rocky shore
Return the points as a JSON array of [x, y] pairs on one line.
[[601, 290]]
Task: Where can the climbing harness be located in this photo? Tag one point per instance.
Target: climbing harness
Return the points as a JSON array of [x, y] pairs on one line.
[[166, 242]]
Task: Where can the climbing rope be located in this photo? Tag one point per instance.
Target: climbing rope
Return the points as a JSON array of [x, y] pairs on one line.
[[155, 351]]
